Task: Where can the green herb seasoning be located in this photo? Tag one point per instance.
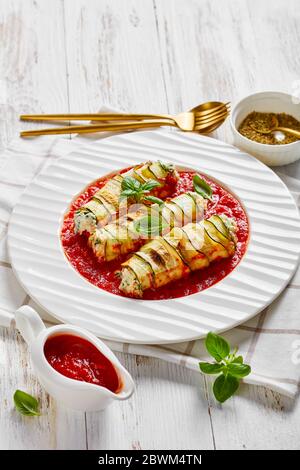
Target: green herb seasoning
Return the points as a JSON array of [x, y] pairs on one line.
[[229, 367], [131, 188], [264, 122], [26, 404]]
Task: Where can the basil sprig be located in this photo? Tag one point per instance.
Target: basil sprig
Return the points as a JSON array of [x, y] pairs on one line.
[[26, 404], [230, 367], [132, 188], [150, 225], [202, 187]]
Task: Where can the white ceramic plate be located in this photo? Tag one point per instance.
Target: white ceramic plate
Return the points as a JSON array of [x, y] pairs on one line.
[[271, 259]]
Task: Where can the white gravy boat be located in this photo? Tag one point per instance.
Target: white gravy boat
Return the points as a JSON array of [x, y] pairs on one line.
[[72, 393]]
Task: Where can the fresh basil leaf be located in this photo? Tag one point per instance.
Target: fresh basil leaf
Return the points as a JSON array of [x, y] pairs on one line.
[[202, 187], [129, 182], [230, 366], [168, 167], [217, 346], [238, 370], [26, 404], [154, 200], [149, 185], [224, 387], [208, 368], [150, 226], [238, 360], [128, 192], [133, 188]]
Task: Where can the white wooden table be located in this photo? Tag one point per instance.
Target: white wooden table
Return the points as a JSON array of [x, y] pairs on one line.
[[145, 56]]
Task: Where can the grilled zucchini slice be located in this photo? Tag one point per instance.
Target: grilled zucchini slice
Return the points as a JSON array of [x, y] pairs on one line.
[[106, 201], [174, 255], [124, 236]]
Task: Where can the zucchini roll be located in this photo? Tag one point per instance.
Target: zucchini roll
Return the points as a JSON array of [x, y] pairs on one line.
[[123, 236], [173, 256], [105, 203]]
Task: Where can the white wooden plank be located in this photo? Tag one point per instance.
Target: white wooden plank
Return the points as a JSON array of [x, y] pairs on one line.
[[256, 419], [32, 79], [203, 54], [113, 56], [168, 411], [32, 63]]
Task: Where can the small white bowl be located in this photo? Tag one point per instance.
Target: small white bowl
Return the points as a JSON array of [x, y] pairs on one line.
[[271, 102]]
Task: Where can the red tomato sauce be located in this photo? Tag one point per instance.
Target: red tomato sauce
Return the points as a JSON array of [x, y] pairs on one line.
[[103, 275], [78, 359]]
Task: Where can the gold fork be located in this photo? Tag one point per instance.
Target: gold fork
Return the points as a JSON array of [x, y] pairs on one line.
[[202, 110], [203, 118]]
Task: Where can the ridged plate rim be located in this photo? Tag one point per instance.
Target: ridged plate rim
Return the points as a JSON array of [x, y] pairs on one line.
[[42, 269]]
